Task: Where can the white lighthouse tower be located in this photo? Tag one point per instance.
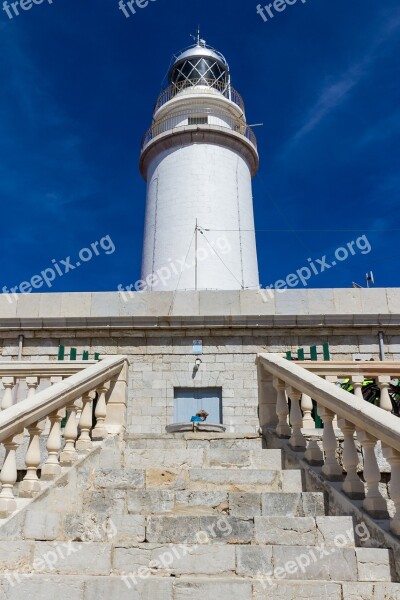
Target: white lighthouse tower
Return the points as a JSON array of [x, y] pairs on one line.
[[198, 159]]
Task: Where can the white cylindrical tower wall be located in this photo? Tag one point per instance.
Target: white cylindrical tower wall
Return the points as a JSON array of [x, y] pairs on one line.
[[212, 184]]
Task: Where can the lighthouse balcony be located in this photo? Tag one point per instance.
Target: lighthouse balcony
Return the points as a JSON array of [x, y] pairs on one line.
[[199, 87], [199, 118]]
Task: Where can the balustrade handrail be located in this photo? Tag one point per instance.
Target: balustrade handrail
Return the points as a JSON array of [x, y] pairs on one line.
[[347, 368], [167, 124], [193, 84], [366, 417], [14, 419], [45, 369]]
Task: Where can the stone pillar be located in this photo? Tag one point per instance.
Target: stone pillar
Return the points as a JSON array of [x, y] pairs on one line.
[[266, 399], [352, 486], [282, 409], [115, 421], [297, 441]]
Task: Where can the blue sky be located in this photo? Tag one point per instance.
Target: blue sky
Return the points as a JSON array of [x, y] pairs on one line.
[[79, 81]]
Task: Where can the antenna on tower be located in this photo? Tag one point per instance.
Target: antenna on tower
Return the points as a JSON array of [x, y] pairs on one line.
[[370, 278], [199, 41]]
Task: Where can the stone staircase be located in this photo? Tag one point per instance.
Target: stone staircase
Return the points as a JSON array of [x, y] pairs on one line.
[[186, 517]]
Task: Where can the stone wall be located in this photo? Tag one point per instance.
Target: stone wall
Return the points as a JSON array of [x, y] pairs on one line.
[[163, 359], [156, 331]]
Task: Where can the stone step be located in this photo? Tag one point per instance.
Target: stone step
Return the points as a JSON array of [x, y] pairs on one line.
[[38, 525], [245, 480], [203, 457], [187, 441], [183, 478], [15, 586], [290, 531], [265, 563], [239, 504]]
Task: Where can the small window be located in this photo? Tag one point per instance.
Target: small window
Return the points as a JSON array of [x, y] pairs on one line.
[[198, 120]]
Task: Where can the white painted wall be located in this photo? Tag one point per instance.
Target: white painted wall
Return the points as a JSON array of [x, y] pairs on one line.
[[210, 183]]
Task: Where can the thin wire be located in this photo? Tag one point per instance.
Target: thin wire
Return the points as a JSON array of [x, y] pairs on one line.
[[226, 266], [179, 280], [304, 230]]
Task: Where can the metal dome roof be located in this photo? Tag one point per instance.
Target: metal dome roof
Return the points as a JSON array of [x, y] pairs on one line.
[[200, 51]]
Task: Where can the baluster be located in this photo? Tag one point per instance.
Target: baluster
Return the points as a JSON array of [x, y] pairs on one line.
[[84, 443], [32, 383], [352, 486], [306, 407], [333, 379], [393, 458], [331, 468], [69, 454], [314, 455], [52, 468], [297, 440], [31, 484], [374, 503], [8, 383], [100, 432], [357, 383], [385, 401], [282, 409], [8, 477]]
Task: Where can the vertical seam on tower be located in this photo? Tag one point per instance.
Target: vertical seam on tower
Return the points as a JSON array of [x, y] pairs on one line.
[[239, 223], [155, 234]]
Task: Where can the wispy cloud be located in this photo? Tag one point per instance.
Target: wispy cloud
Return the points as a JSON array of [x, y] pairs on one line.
[[336, 91]]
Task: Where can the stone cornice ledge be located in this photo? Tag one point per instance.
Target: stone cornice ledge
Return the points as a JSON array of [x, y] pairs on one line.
[[227, 321]]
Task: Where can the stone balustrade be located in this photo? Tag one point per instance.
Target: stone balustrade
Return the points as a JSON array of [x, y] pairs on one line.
[[356, 372], [20, 379], [71, 395], [280, 380]]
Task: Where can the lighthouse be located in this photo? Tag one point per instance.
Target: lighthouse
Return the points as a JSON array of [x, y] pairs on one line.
[[198, 159]]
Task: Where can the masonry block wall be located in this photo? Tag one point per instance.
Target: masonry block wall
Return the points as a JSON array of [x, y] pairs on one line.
[[163, 360]]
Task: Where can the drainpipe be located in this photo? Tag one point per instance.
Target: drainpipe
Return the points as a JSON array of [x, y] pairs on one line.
[[20, 346], [381, 346], [16, 387]]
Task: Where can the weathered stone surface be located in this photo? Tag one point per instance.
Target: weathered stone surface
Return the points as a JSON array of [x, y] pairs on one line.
[[313, 504], [180, 560], [299, 590], [129, 588], [72, 559], [308, 563], [235, 479], [146, 502], [41, 525], [335, 531], [373, 564], [15, 555], [199, 589], [242, 458], [195, 502], [15, 586], [291, 481], [254, 560], [245, 504], [105, 501], [166, 478], [119, 478], [280, 504], [150, 458], [292, 531], [193, 530]]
